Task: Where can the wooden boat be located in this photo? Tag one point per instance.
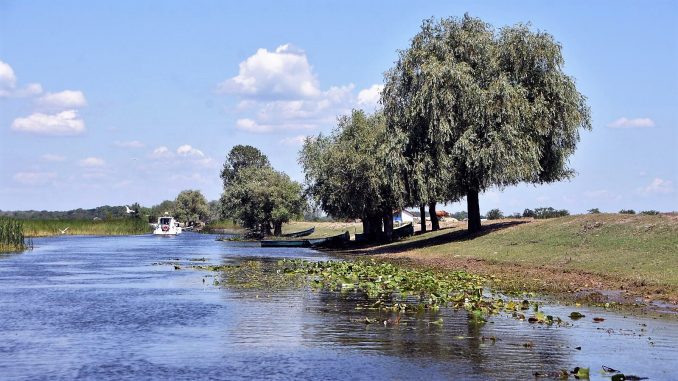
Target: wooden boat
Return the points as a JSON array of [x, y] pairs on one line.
[[336, 240], [302, 233], [403, 231]]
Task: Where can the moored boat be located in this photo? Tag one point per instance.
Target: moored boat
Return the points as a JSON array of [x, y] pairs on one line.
[[167, 225], [302, 233], [336, 240]]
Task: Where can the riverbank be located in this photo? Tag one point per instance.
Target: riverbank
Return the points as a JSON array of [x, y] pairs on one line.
[[45, 228], [628, 259]]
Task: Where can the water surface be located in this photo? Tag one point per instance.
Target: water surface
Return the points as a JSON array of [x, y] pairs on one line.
[[116, 308]]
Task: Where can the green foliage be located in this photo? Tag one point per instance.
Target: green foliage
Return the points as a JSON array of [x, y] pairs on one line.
[[594, 211], [11, 235], [190, 206], [240, 157], [120, 226], [156, 211], [549, 212], [460, 215], [528, 213], [473, 108], [627, 211], [650, 212], [260, 196], [346, 172], [494, 214]]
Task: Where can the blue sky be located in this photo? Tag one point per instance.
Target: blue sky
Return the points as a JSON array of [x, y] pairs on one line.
[[134, 101]]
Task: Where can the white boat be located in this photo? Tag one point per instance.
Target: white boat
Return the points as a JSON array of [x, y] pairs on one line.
[[167, 226]]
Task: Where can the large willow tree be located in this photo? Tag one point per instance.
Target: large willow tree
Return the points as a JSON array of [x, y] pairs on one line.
[[482, 109], [347, 172]]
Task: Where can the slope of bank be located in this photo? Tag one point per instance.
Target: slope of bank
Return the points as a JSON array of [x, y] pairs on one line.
[[599, 256]]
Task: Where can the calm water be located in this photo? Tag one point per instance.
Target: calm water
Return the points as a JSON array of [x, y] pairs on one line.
[[113, 308]]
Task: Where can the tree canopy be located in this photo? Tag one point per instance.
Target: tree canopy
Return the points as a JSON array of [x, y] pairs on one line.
[[190, 206], [474, 108], [242, 156], [260, 198], [348, 172]]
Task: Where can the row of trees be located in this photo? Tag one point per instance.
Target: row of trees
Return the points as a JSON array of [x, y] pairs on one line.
[[465, 108]]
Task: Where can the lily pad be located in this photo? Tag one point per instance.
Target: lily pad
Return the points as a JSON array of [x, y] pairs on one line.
[[576, 315]]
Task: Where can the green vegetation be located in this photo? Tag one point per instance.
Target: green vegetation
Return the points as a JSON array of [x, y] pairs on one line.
[[348, 175], [381, 286], [190, 207], [11, 235], [494, 214], [627, 211], [639, 250], [40, 228], [471, 108], [256, 196]]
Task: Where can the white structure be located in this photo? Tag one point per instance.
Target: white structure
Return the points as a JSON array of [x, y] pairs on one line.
[[402, 217], [167, 226]]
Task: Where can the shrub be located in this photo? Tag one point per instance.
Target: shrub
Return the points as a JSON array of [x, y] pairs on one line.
[[594, 211], [549, 212], [494, 214], [627, 211], [528, 213], [651, 212]]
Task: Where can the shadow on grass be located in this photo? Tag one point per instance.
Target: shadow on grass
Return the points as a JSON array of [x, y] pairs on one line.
[[436, 240]]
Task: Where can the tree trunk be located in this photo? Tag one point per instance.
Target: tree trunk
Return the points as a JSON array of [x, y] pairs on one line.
[[277, 229], [375, 228], [422, 213], [388, 226], [473, 211], [366, 228], [435, 225]]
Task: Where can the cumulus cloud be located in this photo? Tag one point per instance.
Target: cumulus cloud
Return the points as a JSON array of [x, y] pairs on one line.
[[370, 97], [66, 99], [63, 123], [658, 186], [8, 84], [130, 144], [282, 73], [161, 152], [52, 157], [34, 178], [294, 140], [187, 150], [632, 123], [92, 162], [279, 91]]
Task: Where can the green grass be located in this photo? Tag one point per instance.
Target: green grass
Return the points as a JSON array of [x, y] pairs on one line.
[[11, 235], [41, 228], [323, 229], [637, 248]]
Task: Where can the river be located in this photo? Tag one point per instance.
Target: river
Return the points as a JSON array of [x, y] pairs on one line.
[[117, 308]]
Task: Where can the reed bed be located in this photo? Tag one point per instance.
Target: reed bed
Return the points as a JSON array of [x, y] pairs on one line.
[[11, 235], [127, 226]]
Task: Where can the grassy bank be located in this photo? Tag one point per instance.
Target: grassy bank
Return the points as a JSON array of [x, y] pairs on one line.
[[41, 228], [604, 250], [11, 235], [323, 229]]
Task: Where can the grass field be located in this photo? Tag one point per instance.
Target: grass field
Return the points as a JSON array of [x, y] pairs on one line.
[[41, 228], [634, 250]]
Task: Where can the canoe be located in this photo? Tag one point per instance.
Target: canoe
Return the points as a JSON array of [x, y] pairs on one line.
[[302, 233], [325, 241]]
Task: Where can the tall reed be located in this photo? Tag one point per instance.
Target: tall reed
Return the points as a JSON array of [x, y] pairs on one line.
[[125, 226], [11, 235]]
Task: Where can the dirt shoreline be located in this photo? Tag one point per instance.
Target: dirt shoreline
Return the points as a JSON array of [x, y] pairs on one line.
[[553, 283]]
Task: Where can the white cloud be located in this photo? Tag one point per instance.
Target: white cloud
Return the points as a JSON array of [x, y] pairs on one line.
[[130, 144], [252, 126], [369, 98], [294, 140], [658, 186], [282, 73], [66, 99], [52, 157], [161, 152], [63, 123], [34, 178], [602, 194], [8, 81], [92, 162], [7, 76], [632, 123], [187, 150]]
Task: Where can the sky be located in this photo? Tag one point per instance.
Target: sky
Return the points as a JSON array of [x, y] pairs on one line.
[[111, 103]]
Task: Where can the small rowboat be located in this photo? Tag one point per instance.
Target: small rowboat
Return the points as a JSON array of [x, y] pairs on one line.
[[325, 241], [302, 233]]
